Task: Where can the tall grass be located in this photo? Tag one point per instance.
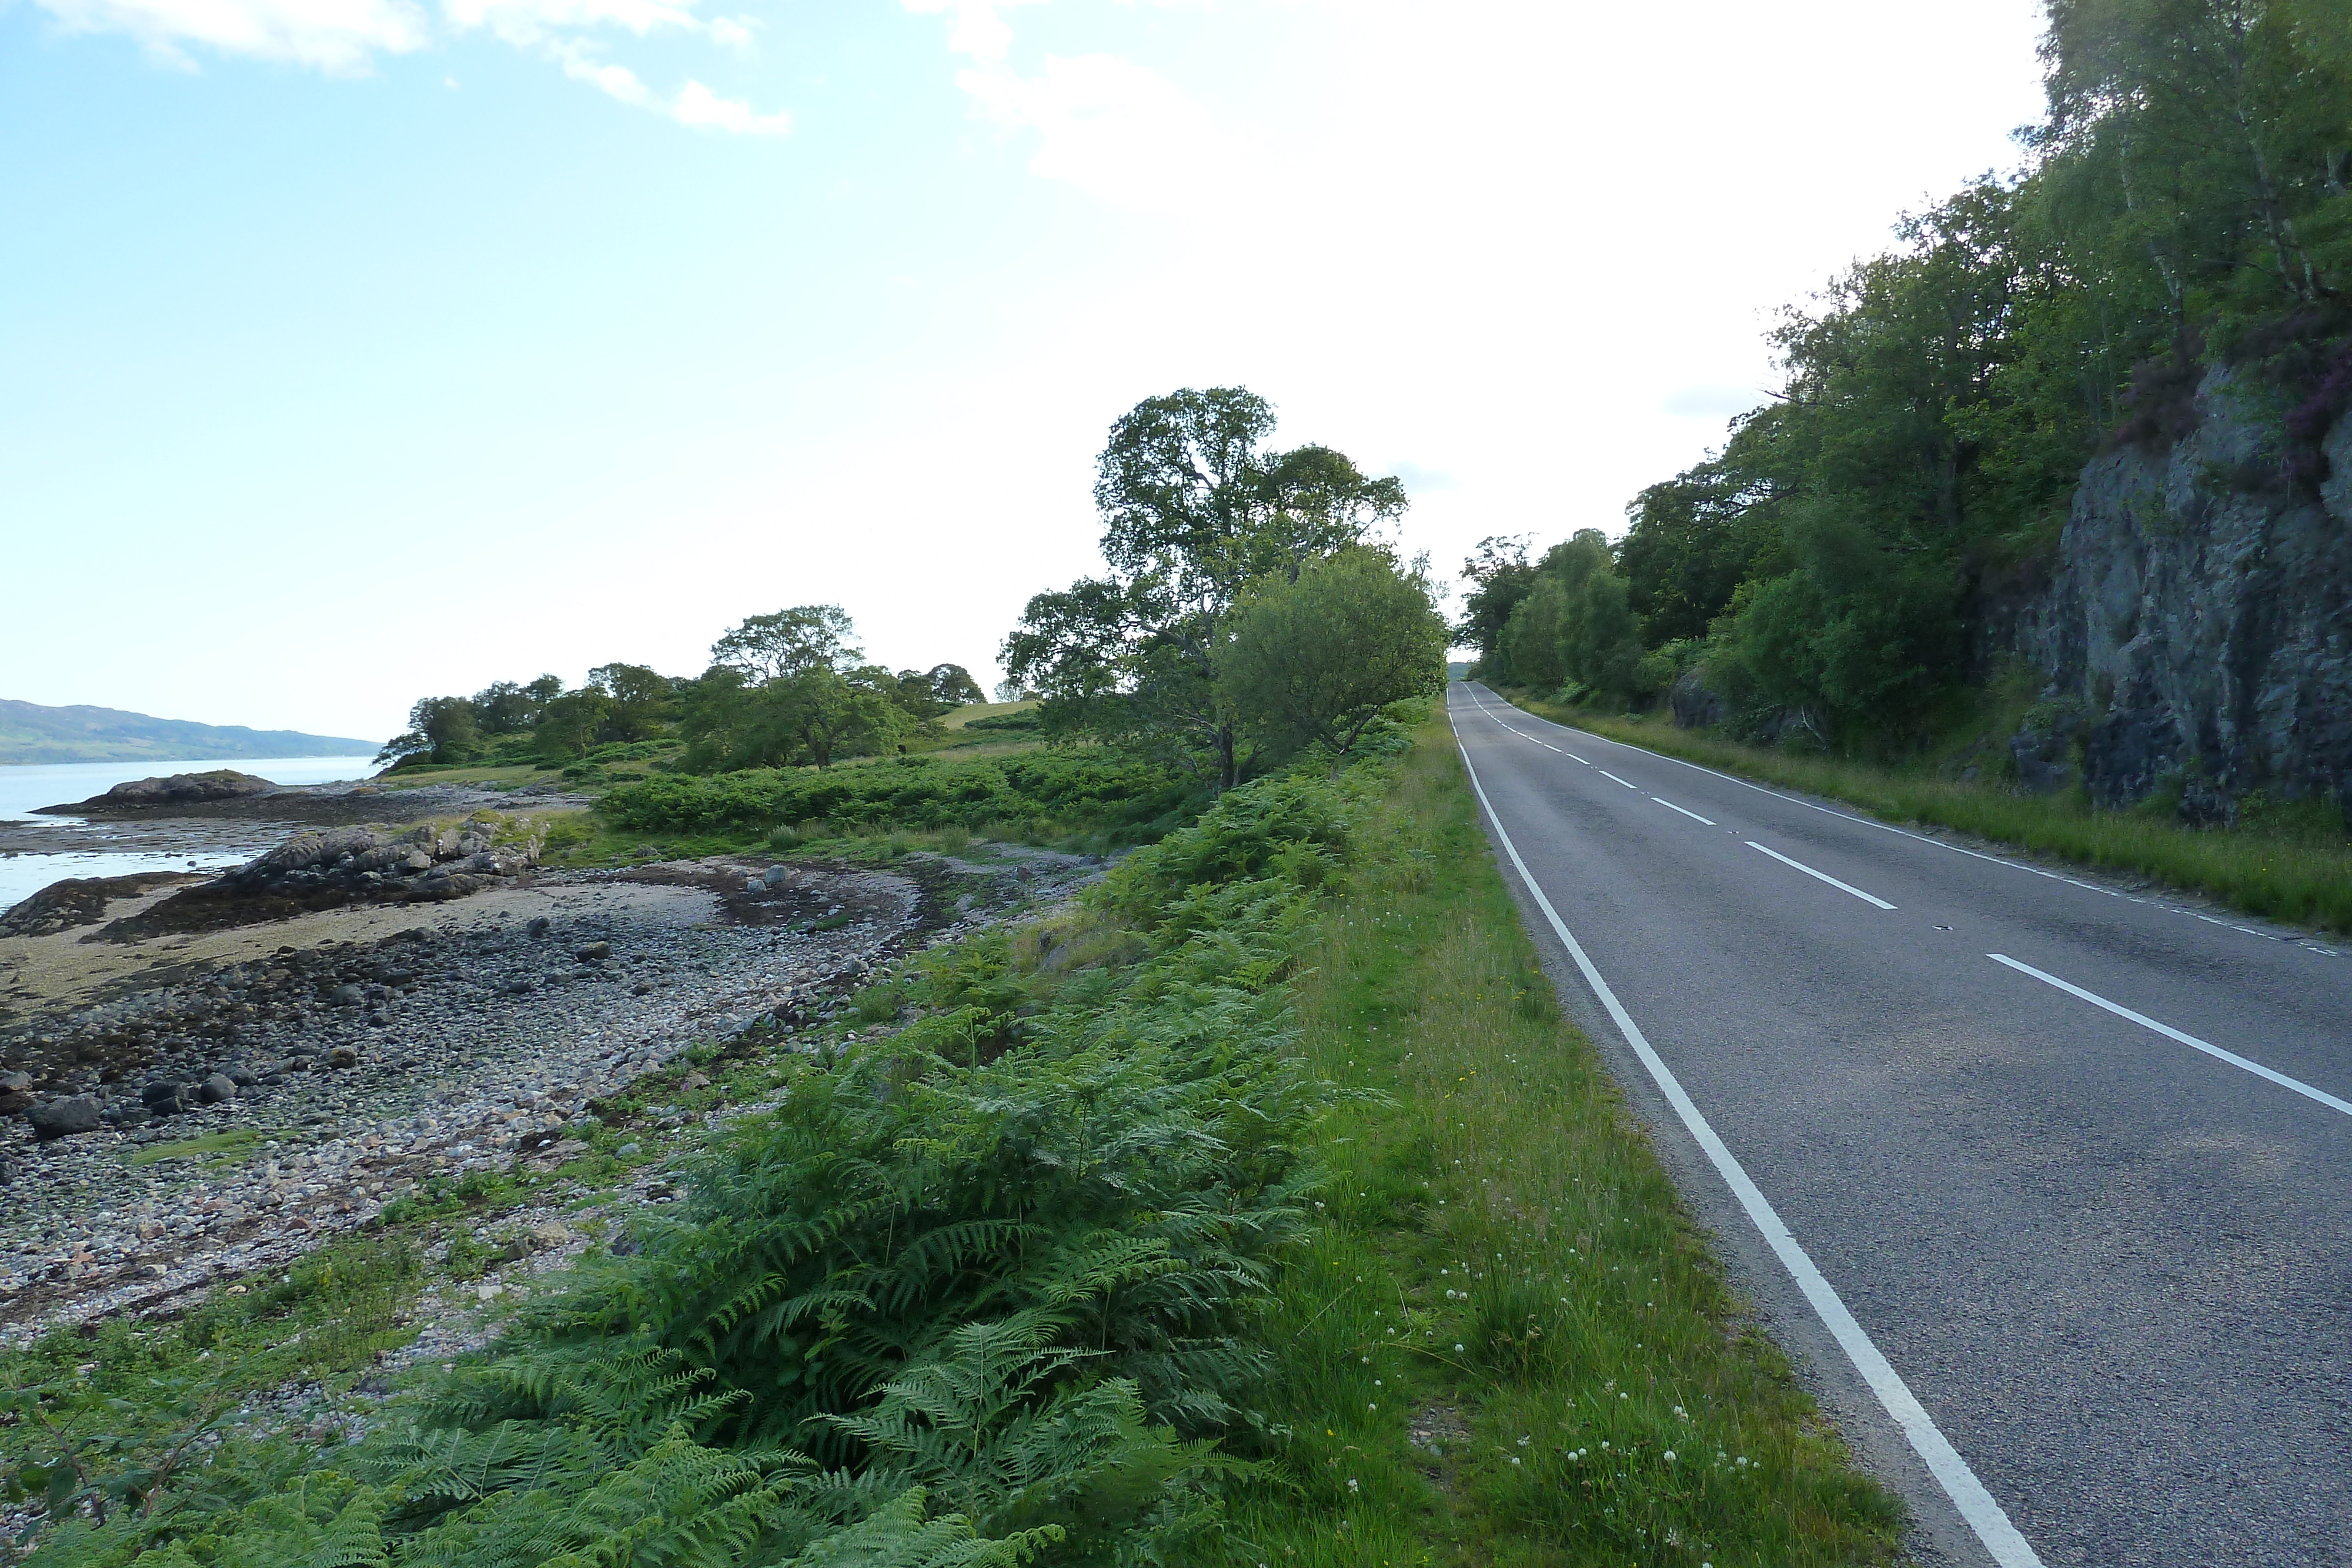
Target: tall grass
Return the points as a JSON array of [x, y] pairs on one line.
[[1259, 1208], [2289, 865], [1506, 1343]]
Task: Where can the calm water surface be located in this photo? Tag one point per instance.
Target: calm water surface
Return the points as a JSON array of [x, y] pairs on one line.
[[27, 786]]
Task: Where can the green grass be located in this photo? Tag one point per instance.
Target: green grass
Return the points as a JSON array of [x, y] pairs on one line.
[[487, 776], [1494, 1259], [236, 1141], [2287, 863], [1504, 1267]]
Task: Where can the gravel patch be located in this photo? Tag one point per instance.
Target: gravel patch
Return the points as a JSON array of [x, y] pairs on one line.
[[260, 1093]]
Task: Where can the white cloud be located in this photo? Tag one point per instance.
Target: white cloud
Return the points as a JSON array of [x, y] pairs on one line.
[[618, 80], [339, 36], [697, 105], [1114, 128], [1117, 130], [345, 35], [976, 27], [529, 22]]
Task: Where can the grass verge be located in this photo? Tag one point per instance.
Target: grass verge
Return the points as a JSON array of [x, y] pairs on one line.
[[1505, 1343], [1257, 1206], [2286, 863]]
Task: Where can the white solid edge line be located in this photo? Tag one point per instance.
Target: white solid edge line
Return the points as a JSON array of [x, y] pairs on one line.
[[2009, 1548], [1694, 816], [2190, 1041], [1822, 876]]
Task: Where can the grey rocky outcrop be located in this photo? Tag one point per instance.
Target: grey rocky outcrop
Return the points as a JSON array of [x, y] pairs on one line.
[[182, 788], [2198, 627], [424, 863]]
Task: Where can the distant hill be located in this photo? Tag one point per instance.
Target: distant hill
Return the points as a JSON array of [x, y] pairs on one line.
[[31, 733]]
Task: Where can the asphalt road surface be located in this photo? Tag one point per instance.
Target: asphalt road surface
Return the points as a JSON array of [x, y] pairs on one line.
[[2065, 1165]]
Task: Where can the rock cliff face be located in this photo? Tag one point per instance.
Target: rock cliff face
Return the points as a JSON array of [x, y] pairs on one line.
[[2198, 628]]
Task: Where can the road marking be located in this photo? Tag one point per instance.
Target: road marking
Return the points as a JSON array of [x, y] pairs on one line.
[[2292, 940], [1606, 774], [1669, 806], [2190, 1041], [1822, 876], [1572, 757], [2010, 1549]]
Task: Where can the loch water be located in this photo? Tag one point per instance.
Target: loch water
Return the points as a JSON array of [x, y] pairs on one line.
[[27, 786]]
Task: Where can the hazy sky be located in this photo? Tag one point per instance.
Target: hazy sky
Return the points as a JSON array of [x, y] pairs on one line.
[[357, 349]]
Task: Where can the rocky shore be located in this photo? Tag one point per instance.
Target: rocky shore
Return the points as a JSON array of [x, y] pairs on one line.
[[199, 1105]]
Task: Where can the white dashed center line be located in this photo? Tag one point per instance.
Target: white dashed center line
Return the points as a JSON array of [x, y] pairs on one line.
[[1822, 876], [2190, 1041]]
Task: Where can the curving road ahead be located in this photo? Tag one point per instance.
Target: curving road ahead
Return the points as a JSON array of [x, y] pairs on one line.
[[2051, 1181]]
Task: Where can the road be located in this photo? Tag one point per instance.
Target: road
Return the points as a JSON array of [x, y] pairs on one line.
[[2072, 1160]]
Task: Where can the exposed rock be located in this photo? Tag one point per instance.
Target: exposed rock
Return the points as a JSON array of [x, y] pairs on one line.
[[80, 901], [320, 870], [2044, 753], [182, 788], [63, 1118], [1696, 705], [215, 1089], [2200, 614]]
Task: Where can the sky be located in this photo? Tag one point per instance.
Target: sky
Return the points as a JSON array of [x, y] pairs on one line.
[[357, 350]]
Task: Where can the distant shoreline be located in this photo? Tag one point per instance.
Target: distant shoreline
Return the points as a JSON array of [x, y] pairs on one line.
[[33, 734]]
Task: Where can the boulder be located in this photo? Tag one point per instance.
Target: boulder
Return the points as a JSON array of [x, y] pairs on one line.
[[215, 1089], [63, 1118]]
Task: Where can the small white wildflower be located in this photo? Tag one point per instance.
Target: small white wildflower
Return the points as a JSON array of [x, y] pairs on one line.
[[1514, 1458], [1670, 1456], [1351, 1483], [1524, 1441], [1457, 1345]]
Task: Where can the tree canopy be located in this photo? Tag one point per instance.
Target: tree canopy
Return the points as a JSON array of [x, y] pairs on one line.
[[2184, 205], [1195, 509]]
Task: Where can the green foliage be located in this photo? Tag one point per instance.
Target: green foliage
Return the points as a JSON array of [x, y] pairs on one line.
[[944, 1305], [1195, 511], [790, 688], [1076, 788], [1573, 628], [2186, 204], [1316, 658]]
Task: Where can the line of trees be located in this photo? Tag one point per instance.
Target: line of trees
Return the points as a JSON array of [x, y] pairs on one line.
[[2187, 204], [785, 689], [1252, 610]]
